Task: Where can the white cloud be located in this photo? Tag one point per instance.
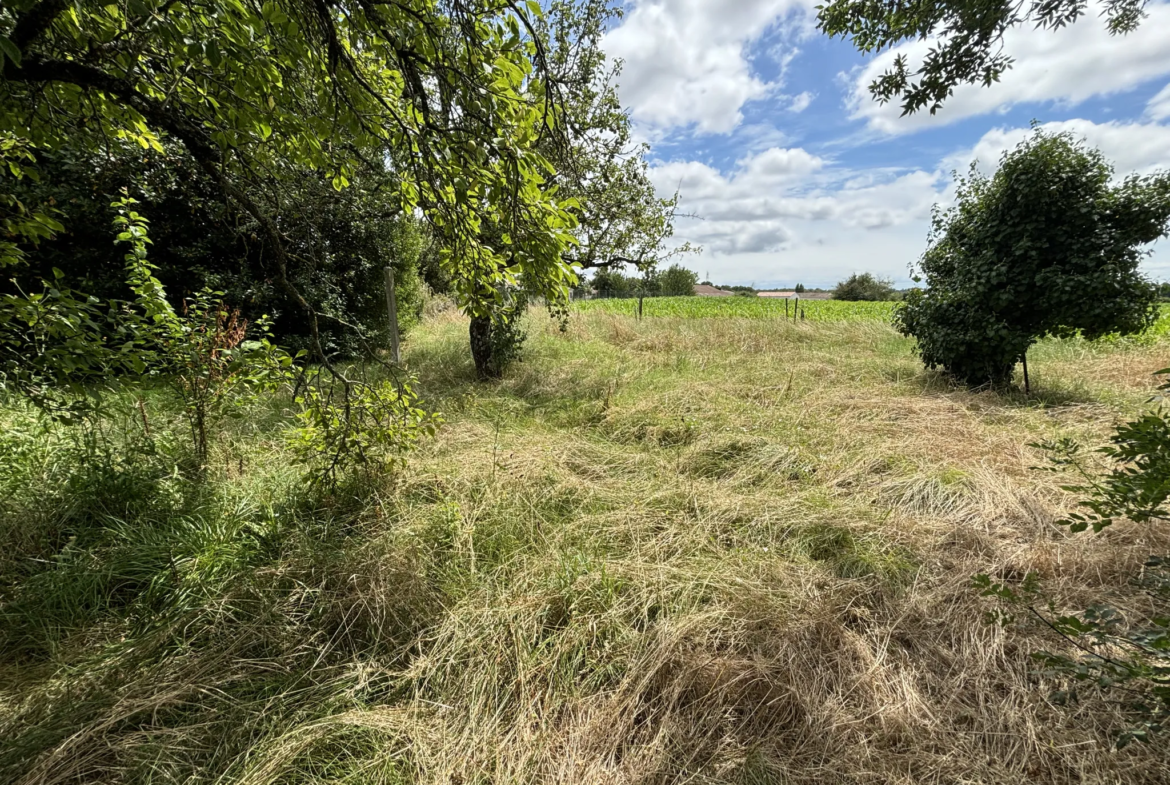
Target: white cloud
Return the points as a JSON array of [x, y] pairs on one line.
[[686, 61], [1159, 106], [1067, 66], [1130, 147], [781, 199], [777, 164], [801, 102], [785, 215]]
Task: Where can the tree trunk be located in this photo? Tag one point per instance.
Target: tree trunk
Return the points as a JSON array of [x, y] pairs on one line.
[[481, 347]]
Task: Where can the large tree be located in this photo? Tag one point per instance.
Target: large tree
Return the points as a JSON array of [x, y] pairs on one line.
[[600, 170], [1045, 246], [457, 95]]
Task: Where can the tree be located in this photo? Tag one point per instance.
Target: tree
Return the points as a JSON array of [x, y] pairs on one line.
[[610, 282], [620, 218], [678, 281], [338, 242], [457, 95], [968, 39], [864, 286], [599, 171], [799, 288], [1046, 246], [455, 98]]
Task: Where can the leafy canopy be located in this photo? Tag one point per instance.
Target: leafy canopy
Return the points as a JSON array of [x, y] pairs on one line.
[[620, 218], [454, 93], [967, 38], [1046, 246]]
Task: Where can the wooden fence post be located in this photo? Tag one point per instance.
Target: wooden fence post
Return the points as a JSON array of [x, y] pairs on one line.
[[392, 311]]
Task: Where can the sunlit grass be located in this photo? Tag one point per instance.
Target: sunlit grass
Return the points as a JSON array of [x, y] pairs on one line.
[[717, 550]]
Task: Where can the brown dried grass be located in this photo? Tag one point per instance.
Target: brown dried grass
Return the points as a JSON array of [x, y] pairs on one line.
[[675, 551]]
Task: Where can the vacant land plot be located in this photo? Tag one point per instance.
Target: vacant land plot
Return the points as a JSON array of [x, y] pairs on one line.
[[719, 550]]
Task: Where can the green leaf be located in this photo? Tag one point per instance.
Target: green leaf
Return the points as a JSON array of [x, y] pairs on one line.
[[9, 50]]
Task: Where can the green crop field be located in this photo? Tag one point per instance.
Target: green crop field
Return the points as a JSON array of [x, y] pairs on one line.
[[773, 308], [741, 307]]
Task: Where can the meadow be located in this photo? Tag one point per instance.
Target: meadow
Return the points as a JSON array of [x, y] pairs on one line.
[[740, 307], [680, 549]]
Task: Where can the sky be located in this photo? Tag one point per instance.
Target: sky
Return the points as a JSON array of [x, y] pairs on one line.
[[794, 175]]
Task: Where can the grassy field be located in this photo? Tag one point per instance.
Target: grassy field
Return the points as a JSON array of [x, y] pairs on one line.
[[701, 550], [742, 307]]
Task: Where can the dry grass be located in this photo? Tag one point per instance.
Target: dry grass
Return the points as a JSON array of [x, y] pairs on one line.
[[702, 551]]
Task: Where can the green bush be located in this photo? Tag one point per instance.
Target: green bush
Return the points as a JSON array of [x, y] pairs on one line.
[[864, 287], [678, 281], [339, 242], [1046, 246]]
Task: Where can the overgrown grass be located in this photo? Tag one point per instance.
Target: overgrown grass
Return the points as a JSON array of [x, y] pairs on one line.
[[675, 550]]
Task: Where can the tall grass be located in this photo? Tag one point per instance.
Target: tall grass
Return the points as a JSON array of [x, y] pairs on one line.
[[674, 550]]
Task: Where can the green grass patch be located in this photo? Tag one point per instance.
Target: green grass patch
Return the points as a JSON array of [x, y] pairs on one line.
[[740, 307]]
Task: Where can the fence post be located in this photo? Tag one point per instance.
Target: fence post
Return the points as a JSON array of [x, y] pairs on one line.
[[795, 308], [1027, 387], [392, 310]]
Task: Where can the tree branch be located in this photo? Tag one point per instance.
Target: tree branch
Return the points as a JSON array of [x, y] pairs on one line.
[[35, 21]]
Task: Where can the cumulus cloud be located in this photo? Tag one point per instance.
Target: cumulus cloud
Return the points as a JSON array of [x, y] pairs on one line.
[[1068, 66], [784, 214], [801, 102], [686, 61], [1131, 147], [776, 199], [1159, 106]]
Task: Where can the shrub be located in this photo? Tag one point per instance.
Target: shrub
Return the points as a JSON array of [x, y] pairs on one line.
[[864, 287], [1046, 246], [677, 281], [357, 424], [202, 352]]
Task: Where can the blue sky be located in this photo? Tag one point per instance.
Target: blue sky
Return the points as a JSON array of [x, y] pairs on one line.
[[765, 128]]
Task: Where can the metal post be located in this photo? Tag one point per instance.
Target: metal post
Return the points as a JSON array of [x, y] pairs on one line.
[[1027, 387], [392, 311], [639, 307], [795, 308]]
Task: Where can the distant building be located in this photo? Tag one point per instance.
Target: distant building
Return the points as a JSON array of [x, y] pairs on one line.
[[776, 294], [703, 290]]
